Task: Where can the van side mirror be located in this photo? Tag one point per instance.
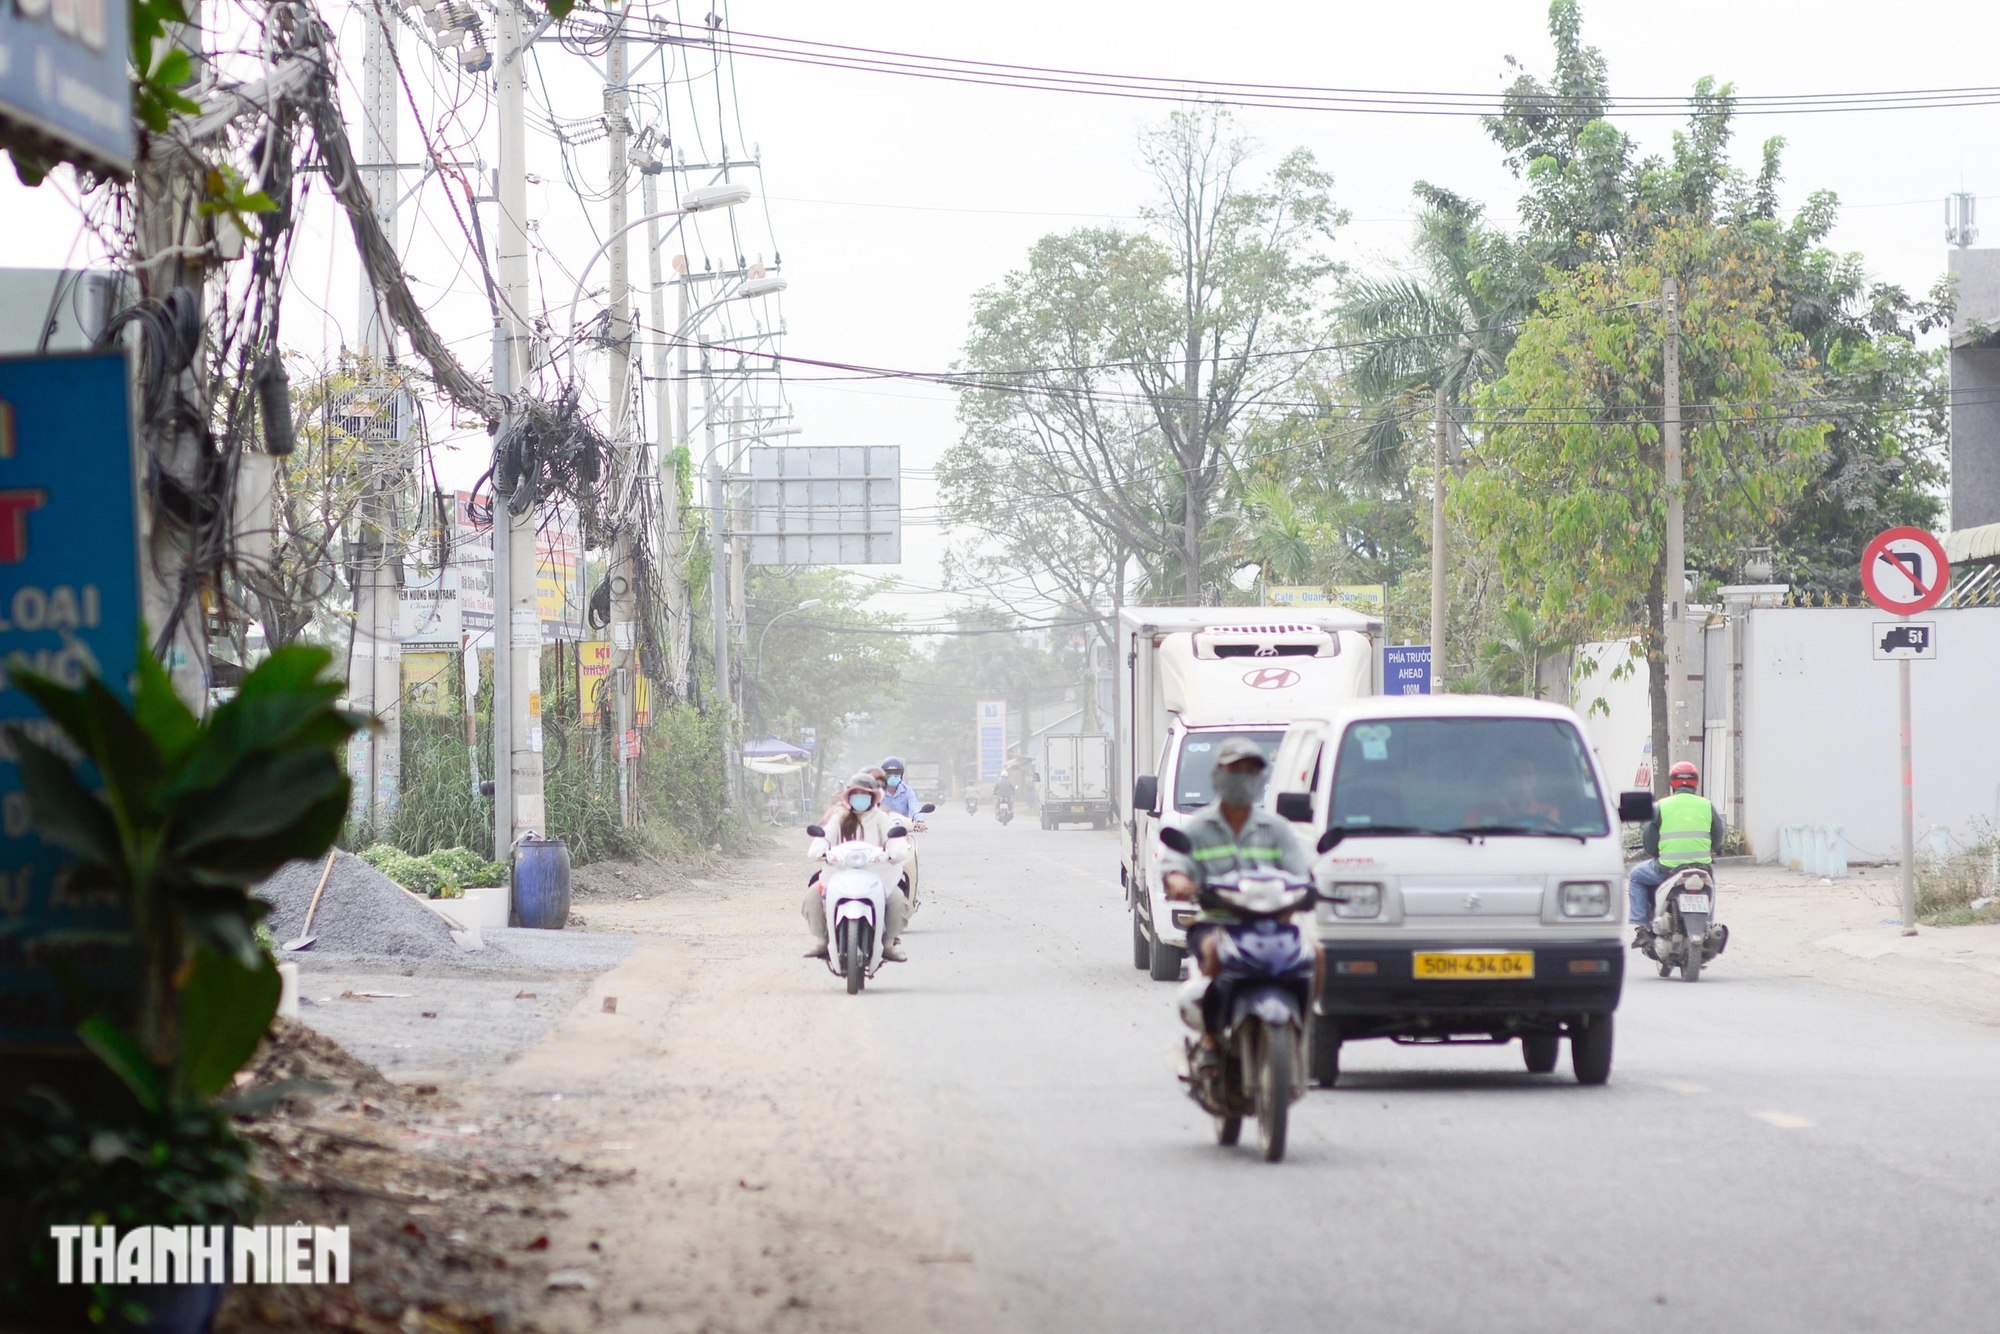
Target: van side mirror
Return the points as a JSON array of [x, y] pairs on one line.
[[1146, 794], [814, 831], [1296, 806], [1635, 807], [927, 808], [1330, 839], [1176, 839]]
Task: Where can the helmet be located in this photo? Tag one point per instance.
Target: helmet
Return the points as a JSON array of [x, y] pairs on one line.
[[864, 779], [892, 765], [1683, 775]]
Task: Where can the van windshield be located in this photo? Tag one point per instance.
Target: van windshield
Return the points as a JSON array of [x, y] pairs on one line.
[[1192, 786], [1515, 775]]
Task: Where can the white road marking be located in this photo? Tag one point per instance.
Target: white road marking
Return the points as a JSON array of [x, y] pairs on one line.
[[1682, 1086], [1783, 1120]]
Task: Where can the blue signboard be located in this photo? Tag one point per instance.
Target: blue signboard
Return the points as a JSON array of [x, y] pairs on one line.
[[1406, 670], [69, 604], [63, 80], [990, 718]]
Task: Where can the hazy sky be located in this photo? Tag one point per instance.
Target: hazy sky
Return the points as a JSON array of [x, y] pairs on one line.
[[893, 200]]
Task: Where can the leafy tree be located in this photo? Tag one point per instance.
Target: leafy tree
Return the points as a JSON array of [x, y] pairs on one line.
[[1567, 484], [1117, 369]]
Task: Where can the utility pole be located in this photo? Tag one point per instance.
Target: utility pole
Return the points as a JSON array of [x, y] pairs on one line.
[[625, 473], [166, 192], [375, 660], [517, 620], [1673, 615], [684, 635], [718, 573], [1440, 428], [673, 575]]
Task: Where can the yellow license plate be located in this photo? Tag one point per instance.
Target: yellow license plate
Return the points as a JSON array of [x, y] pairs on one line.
[[1474, 964]]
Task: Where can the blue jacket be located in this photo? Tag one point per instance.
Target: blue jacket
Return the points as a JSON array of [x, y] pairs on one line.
[[901, 800]]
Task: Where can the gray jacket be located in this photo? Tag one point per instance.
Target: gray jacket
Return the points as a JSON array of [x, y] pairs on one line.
[[1265, 841]]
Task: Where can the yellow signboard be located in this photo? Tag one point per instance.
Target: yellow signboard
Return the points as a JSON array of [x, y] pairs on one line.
[[427, 683], [596, 655], [1354, 597]]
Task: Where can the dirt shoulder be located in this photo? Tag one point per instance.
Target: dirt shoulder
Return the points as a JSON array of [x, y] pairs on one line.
[[1847, 934], [747, 1097]]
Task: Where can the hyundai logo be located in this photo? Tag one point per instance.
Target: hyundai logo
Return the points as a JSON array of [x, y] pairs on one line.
[[1271, 678]]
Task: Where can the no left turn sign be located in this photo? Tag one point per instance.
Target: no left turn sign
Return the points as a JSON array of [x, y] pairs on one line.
[[1905, 571]]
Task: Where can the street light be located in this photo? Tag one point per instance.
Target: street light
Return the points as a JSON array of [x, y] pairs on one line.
[[701, 199], [807, 605]]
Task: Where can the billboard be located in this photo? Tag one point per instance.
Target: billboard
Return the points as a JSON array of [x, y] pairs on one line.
[[990, 732], [826, 505], [63, 86], [69, 605], [558, 572]]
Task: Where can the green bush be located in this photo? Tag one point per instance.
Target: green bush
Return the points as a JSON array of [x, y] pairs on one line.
[[412, 873], [465, 869]]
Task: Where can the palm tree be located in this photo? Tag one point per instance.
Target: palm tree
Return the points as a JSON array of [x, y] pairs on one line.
[[1434, 335]]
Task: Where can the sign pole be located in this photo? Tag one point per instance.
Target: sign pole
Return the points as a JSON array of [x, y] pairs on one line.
[[1909, 804]]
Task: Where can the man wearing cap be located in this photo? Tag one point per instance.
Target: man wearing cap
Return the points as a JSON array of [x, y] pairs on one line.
[[1230, 834]]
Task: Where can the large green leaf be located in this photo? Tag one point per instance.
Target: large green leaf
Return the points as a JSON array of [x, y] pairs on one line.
[[65, 707], [120, 1052], [260, 796], [170, 723], [294, 667], [65, 812], [225, 1011], [124, 754]]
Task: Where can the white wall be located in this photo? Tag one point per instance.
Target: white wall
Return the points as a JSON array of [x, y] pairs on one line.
[[1820, 737], [1617, 715]]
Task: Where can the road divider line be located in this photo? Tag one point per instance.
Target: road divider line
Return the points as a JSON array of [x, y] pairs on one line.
[[1783, 1120]]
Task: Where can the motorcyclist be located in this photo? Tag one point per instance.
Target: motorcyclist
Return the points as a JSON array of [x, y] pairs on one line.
[[856, 815], [1003, 789], [1230, 834], [897, 797], [1685, 831]]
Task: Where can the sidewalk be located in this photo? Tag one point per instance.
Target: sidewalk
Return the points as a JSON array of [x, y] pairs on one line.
[[1848, 934]]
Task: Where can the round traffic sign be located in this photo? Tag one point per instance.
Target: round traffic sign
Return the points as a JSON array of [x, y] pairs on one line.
[[1905, 571]]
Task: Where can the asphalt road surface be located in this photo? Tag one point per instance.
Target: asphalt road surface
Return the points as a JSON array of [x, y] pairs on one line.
[[1769, 1155]]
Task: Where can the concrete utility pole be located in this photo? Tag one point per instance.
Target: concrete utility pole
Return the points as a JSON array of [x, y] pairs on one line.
[[671, 571], [375, 663], [1439, 431], [718, 571], [1673, 615], [626, 471], [166, 191], [517, 619]]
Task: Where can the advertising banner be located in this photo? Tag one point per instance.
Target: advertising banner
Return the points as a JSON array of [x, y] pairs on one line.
[[990, 724], [69, 605]]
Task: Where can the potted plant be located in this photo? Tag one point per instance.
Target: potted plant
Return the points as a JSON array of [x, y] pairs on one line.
[[191, 815]]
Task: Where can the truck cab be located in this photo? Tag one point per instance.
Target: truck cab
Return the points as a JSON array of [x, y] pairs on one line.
[[1470, 872], [1194, 677]]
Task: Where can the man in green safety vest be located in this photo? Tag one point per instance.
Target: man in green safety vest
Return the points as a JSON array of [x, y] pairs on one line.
[[1231, 833], [1686, 830]]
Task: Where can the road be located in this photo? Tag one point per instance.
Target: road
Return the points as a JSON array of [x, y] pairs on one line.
[[1770, 1154]]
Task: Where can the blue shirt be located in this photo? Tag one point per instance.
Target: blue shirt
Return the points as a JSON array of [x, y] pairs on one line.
[[900, 800]]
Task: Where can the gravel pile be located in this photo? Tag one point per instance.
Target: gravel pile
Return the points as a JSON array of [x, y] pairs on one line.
[[362, 914]]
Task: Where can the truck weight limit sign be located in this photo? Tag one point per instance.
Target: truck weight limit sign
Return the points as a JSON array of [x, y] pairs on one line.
[[1905, 571]]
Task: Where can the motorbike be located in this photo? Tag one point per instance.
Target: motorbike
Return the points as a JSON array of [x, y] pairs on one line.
[[1265, 979], [972, 803], [855, 886], [1685, 933], [910, 872], [1003, 809]]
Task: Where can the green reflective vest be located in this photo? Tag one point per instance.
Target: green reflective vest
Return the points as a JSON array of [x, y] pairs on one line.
[[1686, 821]]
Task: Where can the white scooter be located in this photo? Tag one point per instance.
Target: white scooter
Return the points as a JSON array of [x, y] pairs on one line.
[[855, 887]]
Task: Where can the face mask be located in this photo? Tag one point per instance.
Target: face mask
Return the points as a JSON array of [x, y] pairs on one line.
[[860, 801], [895, 780], [1239, 789]]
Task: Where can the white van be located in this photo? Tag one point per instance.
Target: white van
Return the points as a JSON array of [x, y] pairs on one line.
[[1471, 875]]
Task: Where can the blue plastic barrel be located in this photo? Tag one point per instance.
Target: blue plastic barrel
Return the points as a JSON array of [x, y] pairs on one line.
[[541, 883]]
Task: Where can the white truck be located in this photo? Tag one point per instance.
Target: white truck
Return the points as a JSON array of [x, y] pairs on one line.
[[1470, 872], [1076, 779], [1193, 677]]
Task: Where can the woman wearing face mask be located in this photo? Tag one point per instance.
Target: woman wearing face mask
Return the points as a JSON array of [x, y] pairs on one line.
[[856, 814]]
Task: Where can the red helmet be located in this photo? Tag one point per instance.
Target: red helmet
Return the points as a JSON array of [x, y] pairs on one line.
[[1683, 775]]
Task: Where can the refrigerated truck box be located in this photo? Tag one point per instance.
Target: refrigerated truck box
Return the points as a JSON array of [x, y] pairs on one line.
[[1076, 780]]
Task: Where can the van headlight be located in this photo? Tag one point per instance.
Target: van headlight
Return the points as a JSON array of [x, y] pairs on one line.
[[1585, 898], [1356, 898]]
